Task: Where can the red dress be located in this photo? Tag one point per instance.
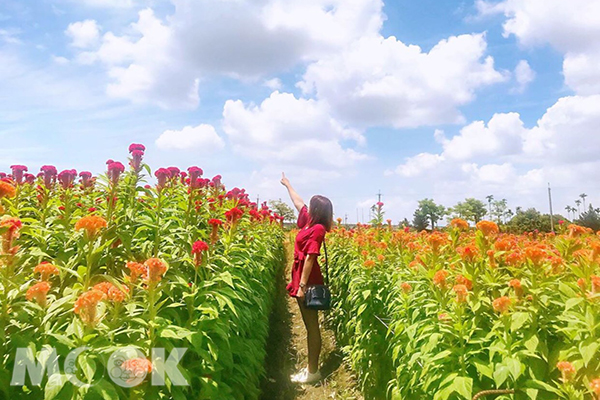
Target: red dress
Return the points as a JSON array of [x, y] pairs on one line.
[[308, 241]]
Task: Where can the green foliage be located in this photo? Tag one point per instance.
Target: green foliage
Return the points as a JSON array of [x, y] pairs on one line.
[[471, 210], [283, 209], [590, 219], [428, 213], [531, 220]]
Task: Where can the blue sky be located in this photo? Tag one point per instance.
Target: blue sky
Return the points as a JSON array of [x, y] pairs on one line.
[[498, 98]]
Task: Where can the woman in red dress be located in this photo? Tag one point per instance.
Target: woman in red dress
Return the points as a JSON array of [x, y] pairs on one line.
[[313, 221]]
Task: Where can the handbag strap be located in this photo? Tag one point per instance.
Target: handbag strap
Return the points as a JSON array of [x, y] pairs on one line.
[[326, 263]]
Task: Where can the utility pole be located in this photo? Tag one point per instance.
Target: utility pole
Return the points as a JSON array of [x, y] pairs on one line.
[[379, 196], [346, 219], [257, 201], [550, 201]]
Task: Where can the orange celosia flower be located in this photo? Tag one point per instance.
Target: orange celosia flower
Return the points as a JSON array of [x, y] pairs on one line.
[[7, 190], [461, 293], [595, 387], [462, 280], [488, 228], [155, 270], [581, 283], [460, 224], [502, 304], [137, 366], [516, 258], [468, 253], [576, 230], [437, 240], [137, 270], [13, 224], [567, 370], [112, 292], [595, 250], [45, 269], [369, 263], [86, 306], [439, 279], [364, 253], [380, 257], [92, 225], [516, 285], [535, 254], [38, 293], [595, 284], [504, 244], [406, 288]]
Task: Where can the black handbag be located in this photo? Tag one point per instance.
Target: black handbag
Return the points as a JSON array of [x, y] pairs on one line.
[[318, 297]]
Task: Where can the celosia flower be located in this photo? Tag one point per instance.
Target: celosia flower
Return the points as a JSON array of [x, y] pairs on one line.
[[516, 285], [233, 215], [195, 174], [136, 270], [576, 230], [488, 228], [137, 368], [7, 190], [136, 160], [504, 244], [461, 293], [459, 224], [216, 181], [162, 174], [406, 288], [595, 284], [502, 304], [17, 172], [197, 249], [174, 172], [369, 263], [515, 258], [439, 279], [86, 179], [45, 269], [115, 169], [86, 306], [112, 292], [582, 285], [38, 293], [92, 225], [67, 177], [468, 253], [437, 240], [380, 257], [536, 255], [595, 387], [567, 370], [155, 270], [13, 224], [136, 147], [462, 280], [49, 173]]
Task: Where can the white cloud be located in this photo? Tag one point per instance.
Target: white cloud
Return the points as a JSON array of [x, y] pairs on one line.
[[418, 164], [83, 34], [105, 3], [284, 129], [161, 61], [202, 138], [9, 36], [572, 27], [379, 81], [524, 75], [273, 84], [60, 60]]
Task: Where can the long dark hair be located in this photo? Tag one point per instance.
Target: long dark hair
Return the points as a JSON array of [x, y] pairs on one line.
[[321, 211]]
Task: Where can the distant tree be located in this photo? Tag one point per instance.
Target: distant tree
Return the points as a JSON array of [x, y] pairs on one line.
[[283, 209], [578, 202], [568, 210], [471, 209], [500, 209], [583, 196], [404, 223], [429, 211], [590, 219], [420, 221], [530, 220]]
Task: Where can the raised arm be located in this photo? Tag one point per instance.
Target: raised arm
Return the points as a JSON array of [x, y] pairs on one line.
[[296, 199]]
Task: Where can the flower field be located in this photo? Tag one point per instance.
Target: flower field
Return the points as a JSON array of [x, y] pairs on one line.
[[109, 262], [446, 315]]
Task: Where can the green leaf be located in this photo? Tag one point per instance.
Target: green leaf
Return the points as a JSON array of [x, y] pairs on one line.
[[54, 385], [588, 350], [501, 374], [106, 390], [518, 320], [463, 386]]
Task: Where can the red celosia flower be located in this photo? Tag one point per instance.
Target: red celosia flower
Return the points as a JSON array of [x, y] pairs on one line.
[[45, 269], [195, 174], [92, 225], [86, 306], [136, 147], [197, 249], [7, 190], [162, 174], [461, 293], [115, 169], [67, 177], [49, 174], [439, 279], [136, 160], [233, 215], [38, 293], [502, 304], [567, 370], [17, 172], [174, 172], [488, 228], [86, 179], [155, 270]]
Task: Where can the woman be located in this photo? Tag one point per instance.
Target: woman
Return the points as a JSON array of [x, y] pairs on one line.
[[313, 222]]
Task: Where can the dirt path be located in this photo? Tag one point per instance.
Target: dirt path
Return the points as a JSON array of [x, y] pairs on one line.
[[287, 354]]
